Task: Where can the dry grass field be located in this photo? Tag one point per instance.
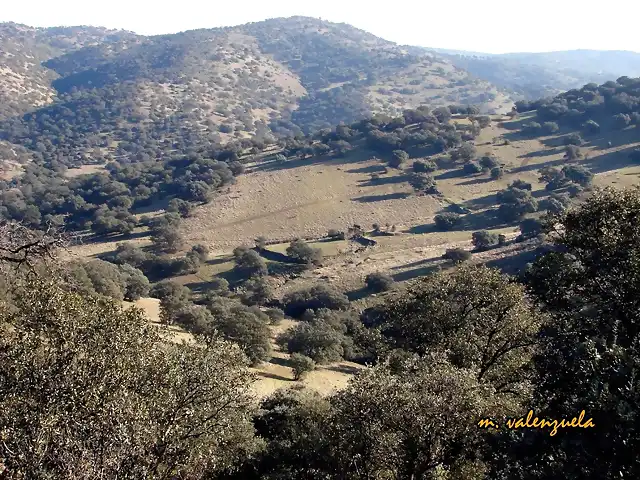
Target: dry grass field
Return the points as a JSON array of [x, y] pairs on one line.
[[306, 198]]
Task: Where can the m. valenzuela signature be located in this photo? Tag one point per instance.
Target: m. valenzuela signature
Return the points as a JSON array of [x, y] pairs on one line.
[[534, 422]]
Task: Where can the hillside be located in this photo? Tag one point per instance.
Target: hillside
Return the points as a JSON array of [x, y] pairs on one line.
[[113, 95], [535, 75], [25, 83]]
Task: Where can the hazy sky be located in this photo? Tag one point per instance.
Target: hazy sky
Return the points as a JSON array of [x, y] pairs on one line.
[[494, 26]]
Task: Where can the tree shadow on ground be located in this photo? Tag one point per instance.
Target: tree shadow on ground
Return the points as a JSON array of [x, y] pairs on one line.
[[529, 167], [456, 173], [477, 181], [355, 156], [540, 153], [610, 161], [347, 369], [368, 169], [283, 362], [274, 376], [359, 294], [416, 272], [381, 198], [385, 180]]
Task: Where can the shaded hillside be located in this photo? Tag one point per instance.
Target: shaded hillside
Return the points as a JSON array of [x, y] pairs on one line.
[[24, 82], [535, 75]]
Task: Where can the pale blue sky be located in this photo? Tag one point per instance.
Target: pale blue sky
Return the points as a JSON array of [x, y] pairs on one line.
[[494, 26]]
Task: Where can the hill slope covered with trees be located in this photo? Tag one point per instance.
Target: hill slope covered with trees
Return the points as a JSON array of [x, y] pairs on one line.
[[90, 93]]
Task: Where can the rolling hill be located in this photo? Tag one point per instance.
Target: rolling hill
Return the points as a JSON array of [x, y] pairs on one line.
[[86, 95]]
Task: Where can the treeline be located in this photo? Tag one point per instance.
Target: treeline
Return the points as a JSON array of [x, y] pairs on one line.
[[454, 348], [612, 105], [105, 202]]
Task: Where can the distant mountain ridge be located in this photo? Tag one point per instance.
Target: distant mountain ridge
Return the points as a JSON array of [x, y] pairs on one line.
[[535, 75]]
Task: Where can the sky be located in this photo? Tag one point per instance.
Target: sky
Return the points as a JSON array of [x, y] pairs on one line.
[[491, 26]]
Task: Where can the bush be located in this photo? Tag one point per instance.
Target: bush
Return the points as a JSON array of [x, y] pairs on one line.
[[533, 128], [457, 255], [336, 234], [488, 162], [136, 283], [515, 203], [465, 152], [314, 298], [521, 184], [447, 221], [299, 250], [572, 152], [621, 121], [550, 127], [424, 166], [398, 157], [591, 127], [317, 340], [379, 282], [423, 182], [578, 174], [249, 263], [530, 228], [246, 326], [484, 240], [300, 365], [497, 172], [275, 316], [257, 291], [573, 139], [471, 168]]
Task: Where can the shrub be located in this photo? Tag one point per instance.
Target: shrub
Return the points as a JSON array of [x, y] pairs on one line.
[[578, 174], [465, 152], [457, 255], [591, 127], [314, 298], [249, 263], [422, 182], [136, 283], [398, 157], [379, 282], [301, 251], [572, 152], [317, 340], [471, 168], [301, 365], [533, 128], [497, 172], [521, 184], [275, 316], [573, 139], [257, 291], [515, 203], [246, 326], [488, 162], [484, 240], [447, 221], [530, 228], [424, 166], [336, 234], [621, 121], [550, 127]]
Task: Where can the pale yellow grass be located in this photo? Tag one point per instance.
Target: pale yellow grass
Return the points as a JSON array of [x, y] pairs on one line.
[[274, 374]]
